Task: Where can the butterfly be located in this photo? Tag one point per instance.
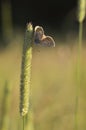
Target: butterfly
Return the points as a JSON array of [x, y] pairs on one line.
[[41, 38]]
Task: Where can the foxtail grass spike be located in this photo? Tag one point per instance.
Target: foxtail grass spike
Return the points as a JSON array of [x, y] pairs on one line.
[[26, 71], [81, 10]]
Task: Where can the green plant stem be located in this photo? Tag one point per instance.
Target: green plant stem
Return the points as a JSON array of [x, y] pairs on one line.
[[5, 120], [78, 74], [23, 122]]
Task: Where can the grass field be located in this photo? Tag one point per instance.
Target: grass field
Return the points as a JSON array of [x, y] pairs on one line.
[[53, 85]]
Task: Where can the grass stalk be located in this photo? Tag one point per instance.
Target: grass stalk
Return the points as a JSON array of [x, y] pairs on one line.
[[81, 16], [5, 122], [23, 122], [78, 74], [29, 125], [6, 17]]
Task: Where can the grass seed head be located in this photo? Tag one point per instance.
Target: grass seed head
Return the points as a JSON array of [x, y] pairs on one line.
[[26, 71], [81, 10]]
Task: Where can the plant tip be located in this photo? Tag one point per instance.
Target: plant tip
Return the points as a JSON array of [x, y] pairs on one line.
[[29, 26]]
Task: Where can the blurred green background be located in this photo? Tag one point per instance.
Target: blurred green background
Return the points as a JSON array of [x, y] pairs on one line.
[[53, 81]]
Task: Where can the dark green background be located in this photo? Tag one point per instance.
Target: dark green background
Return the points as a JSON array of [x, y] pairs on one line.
[[51, 12]]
